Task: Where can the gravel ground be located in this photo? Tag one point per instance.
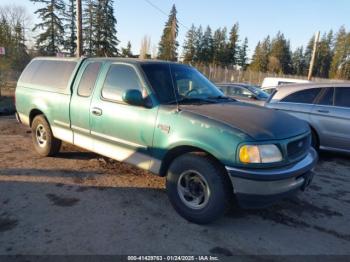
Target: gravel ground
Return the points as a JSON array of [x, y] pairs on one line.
[[82, 203]]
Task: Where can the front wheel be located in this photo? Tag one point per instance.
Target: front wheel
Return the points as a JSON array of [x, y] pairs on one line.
[[45, 143], [198, 188]]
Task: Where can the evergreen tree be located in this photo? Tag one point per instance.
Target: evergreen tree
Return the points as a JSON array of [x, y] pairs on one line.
[[50, 40], [198, 43], [308, 54], [233, 44], [299, 64], [324, 56], [105, 41], [70, 28], [260, 58], [19, 55], [207, 52], [88, 27], [242, 58], [168, 44], [280, 55], [189, 47], [341, 58], [126, 52], [221, 56]]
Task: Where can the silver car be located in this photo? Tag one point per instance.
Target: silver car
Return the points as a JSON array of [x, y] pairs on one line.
[[244, 92], [326, 107]]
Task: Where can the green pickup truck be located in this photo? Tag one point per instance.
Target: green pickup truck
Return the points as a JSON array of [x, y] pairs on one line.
[[167, 118]]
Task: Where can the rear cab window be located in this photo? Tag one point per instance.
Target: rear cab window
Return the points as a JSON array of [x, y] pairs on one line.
[[88, 79], [307, 96]]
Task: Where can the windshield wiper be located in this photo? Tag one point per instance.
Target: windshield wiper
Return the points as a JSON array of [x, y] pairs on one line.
[[191, 100], [222, 98]]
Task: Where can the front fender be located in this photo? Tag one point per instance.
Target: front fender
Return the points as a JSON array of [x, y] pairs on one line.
[[187, 129]]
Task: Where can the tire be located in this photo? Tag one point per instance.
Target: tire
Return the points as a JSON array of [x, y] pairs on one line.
[[198, 170], [45, 144]]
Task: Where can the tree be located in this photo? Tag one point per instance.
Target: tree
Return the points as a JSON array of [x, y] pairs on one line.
[[12, 37], [189, 47], [145, 47], [340, 67], [168, 44], [260, 58], [280, 55], [126, 52], [233, 44], [299, 63], [206, 52], [70, 28], [220, 47], [242, 57], [198, 43], [88, 28], [51, 40], [105, 41], [324, 56], [308, 54]]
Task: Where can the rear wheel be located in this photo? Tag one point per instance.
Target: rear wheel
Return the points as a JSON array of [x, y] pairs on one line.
[[198, 188], [44, 142]]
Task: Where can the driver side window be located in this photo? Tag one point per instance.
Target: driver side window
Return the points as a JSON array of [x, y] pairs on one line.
[[119, 79]]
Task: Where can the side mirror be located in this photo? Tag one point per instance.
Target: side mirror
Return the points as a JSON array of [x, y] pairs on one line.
[[133, 97]]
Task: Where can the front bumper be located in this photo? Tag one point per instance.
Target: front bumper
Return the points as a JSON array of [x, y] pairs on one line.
[[256, 188]]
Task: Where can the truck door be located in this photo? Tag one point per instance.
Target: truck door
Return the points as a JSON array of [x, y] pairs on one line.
[[80, 104], [121, 131]]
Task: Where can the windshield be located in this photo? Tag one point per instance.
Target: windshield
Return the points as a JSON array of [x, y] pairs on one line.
[[189, 84], [258, 92]]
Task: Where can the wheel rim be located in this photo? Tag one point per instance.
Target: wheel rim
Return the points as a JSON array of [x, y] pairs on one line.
[[193, 189], [41, 135]]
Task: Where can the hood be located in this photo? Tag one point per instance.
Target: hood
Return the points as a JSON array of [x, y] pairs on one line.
[[260, 123]]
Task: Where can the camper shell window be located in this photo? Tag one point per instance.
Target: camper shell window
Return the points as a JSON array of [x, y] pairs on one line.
[[48, 73]]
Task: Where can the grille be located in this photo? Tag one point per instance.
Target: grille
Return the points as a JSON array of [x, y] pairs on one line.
[[298, 147]]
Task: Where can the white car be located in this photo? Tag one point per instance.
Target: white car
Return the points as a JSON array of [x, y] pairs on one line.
[[269, 84]]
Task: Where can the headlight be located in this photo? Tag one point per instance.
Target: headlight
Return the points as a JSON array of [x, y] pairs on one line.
[[259, 154]]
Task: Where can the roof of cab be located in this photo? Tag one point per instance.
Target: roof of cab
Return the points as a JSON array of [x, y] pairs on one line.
[[314, 85], [110, 59], [72, 59], [286, 90], [131, 60]]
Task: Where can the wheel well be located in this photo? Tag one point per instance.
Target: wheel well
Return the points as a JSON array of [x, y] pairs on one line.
[[176, 152], [33, 114], [313, 130]]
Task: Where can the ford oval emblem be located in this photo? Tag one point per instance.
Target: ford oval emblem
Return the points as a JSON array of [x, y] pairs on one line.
[[300, 144]]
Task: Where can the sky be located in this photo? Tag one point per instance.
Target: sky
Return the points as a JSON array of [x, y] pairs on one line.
[[297, 19]]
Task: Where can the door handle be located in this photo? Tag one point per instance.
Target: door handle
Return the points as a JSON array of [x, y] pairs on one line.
[[323, 111], [96, 111]]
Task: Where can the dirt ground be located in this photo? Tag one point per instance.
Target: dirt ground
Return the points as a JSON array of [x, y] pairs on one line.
[[81, 203]]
